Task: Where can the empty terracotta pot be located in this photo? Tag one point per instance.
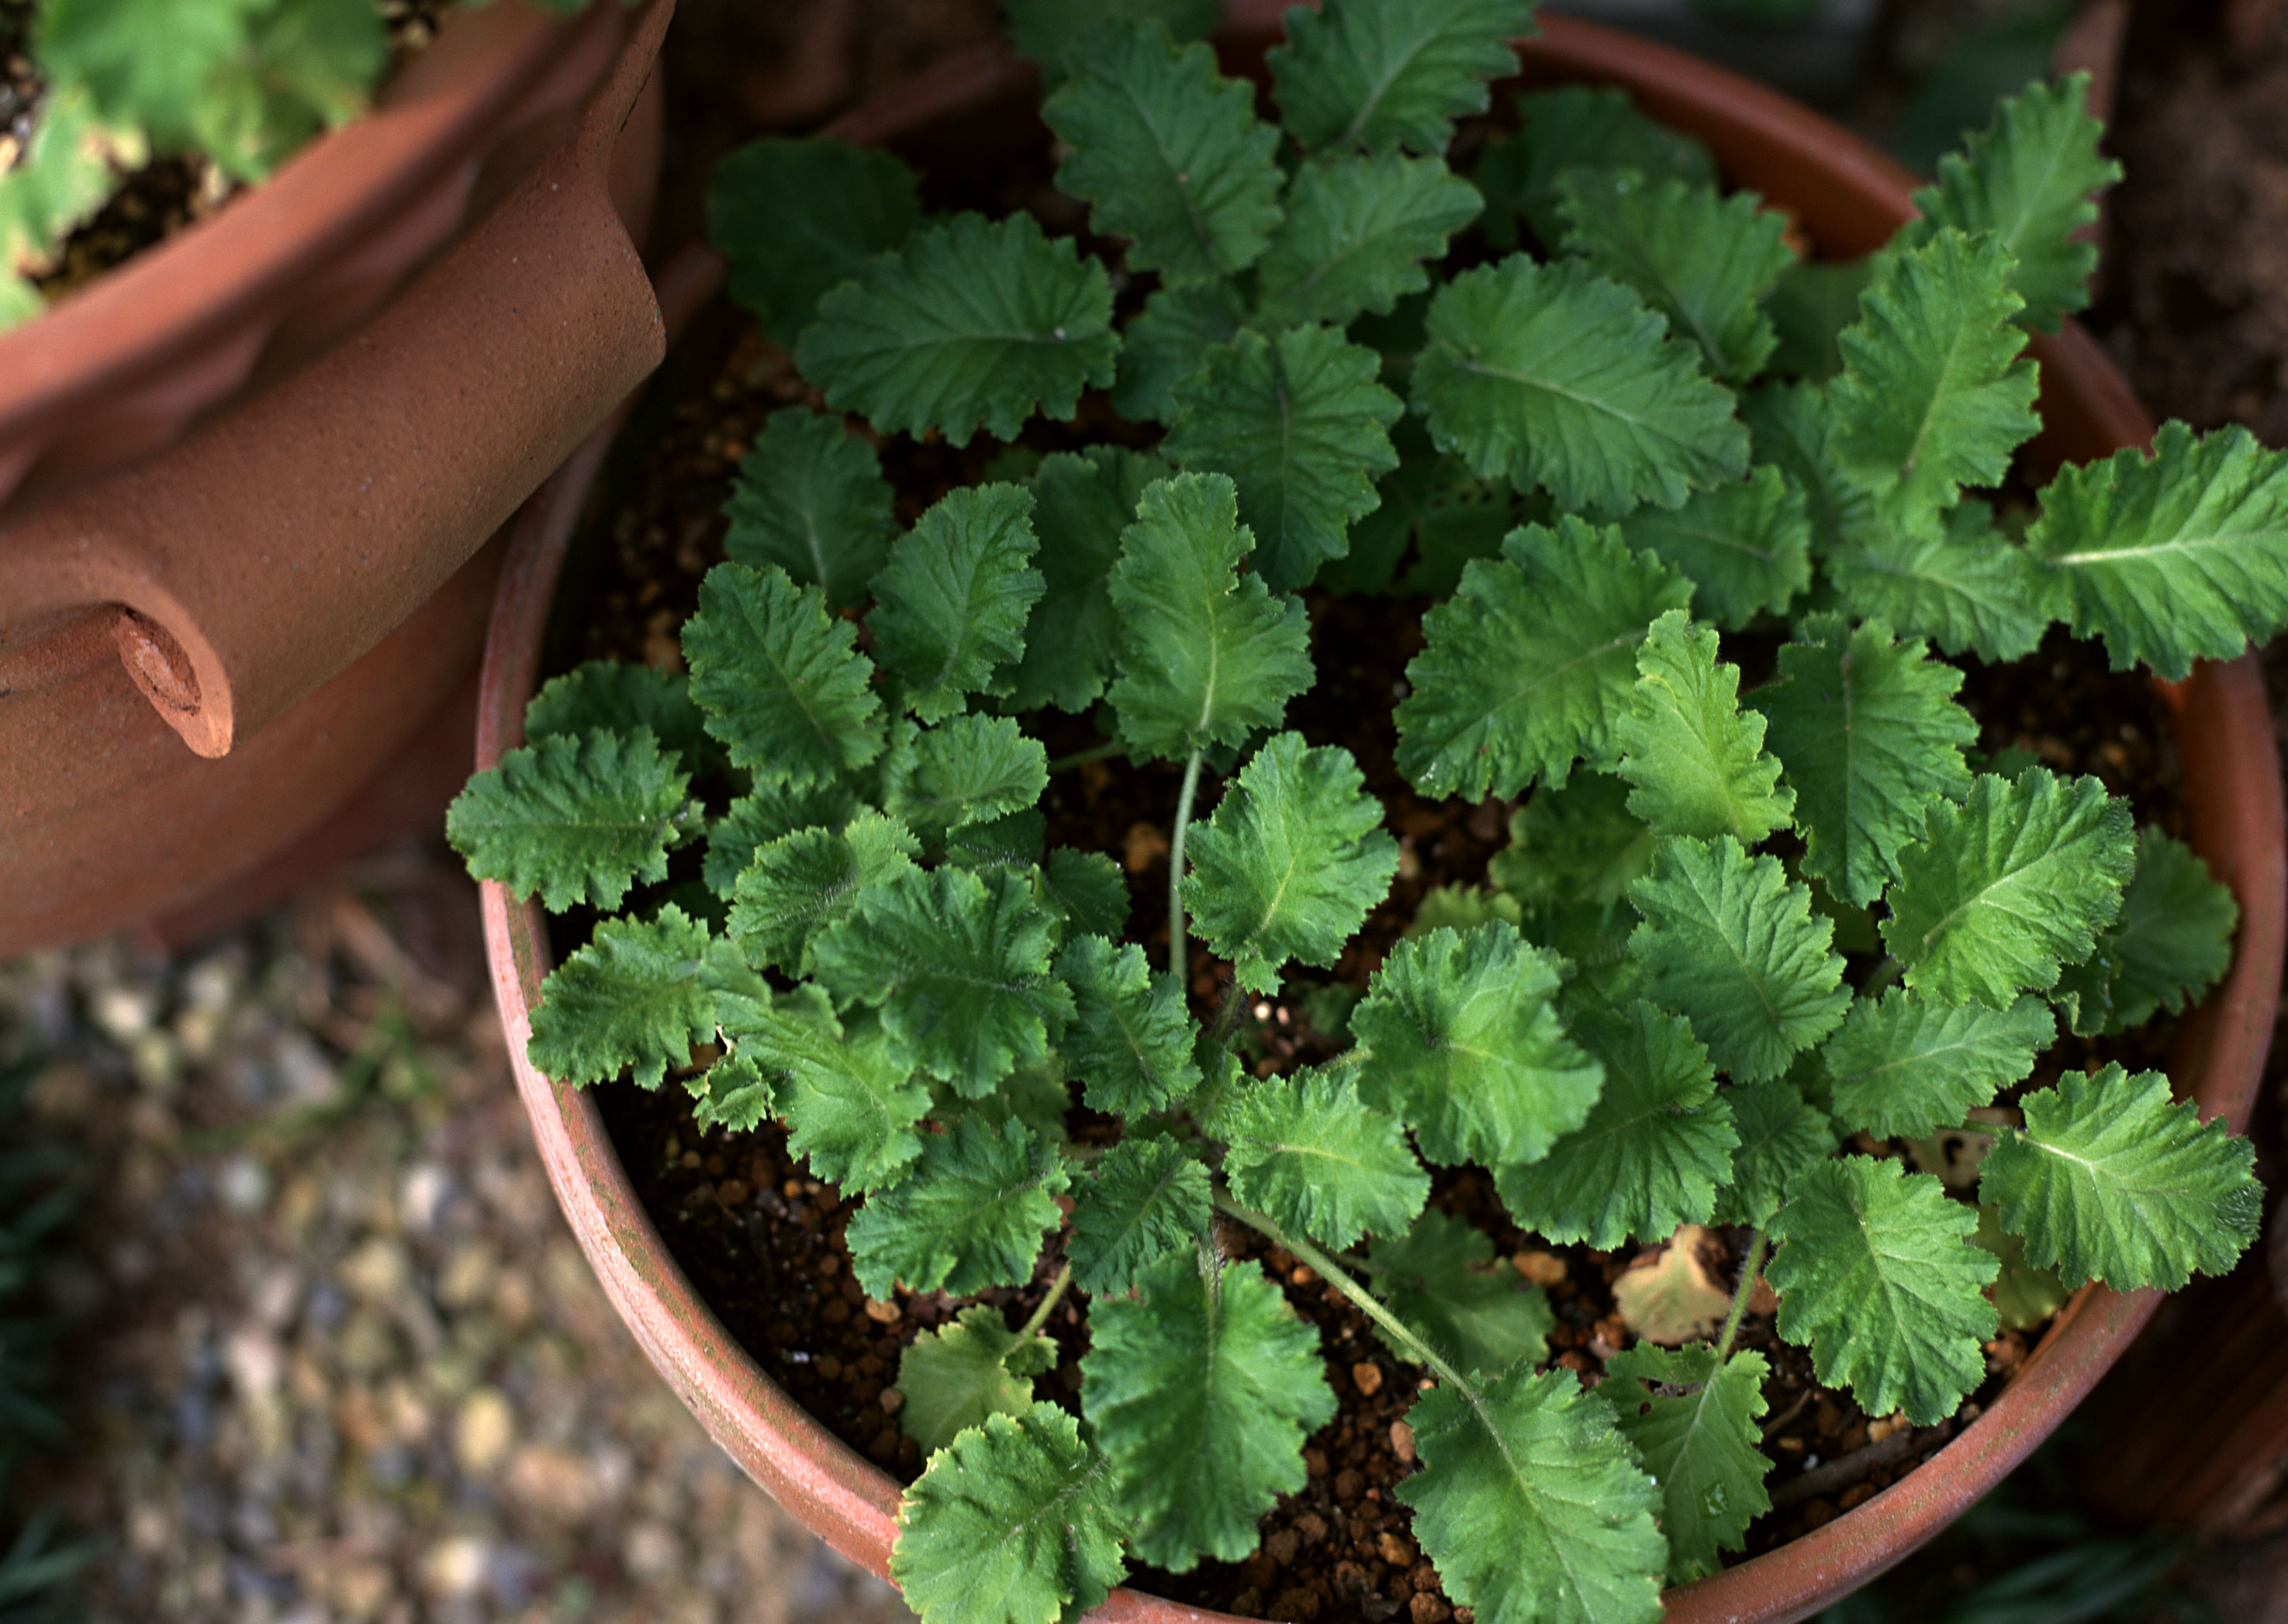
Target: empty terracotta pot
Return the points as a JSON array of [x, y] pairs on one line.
[[975, 110], [245, 478]]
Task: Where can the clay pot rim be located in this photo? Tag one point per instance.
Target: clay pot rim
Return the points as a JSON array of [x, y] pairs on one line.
[[179, 296], [2233, 800]]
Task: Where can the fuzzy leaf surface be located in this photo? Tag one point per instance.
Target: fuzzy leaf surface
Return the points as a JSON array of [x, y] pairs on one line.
[[951, 605], [1443, 1282], [852, 1103], [1907, 1064], [1702, 1446], [1781, 1134], [971, 1214], [2171, 942], [1788, 427], [635, 998], [1169, 341], [764, 814], [1695, 760], [1306, 1150], [621, 696], [953, 1377], [1130, 1039], [1145, 1200], [801, 882], [1357, 232], [780, 681], [965, 772], [797, 217], [575, 819], [1956, 580], [1087, 890], [1747, 546], [1573, 126], [1081, 505], [810, 498], [1380, 74]]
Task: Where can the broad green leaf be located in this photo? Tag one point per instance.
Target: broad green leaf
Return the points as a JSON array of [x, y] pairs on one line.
[[734, 1093], [1168, 152], [1702, 259], [1781, 1134], [1532, 661], [1145, 1200], [1532, 1505], [1204, 655], [1462, 907], [576, 820], [1443, 1282], [1292, 863], [951, 604], [964, 772], [1933, 395], [953, 1377], [1552, 374], [795, 216], [2024, 1296], [1573, 846], [1656, 1146], [1081, 505], [1731, 943], [1087, 890], [2171, 942], [620, 696], [1012, 840], [1306, 1150], [801, 882], [764, 814], [973, 324], [1463, 1042], [1958, 580], [1130, 1040], [1746, 545], [1869, 734], [1576, 126], [851, 1101], [1877, 1276], [1044, 30], [810, 498], [62, 175], [2171, 558], [1010, 1524], [1788, 427], [1696, 760], [2005, 887], [2029, 178], [1357, 232], [635, 998], [1302, 427], [2111, 1180], [1701, 1444], [1201, 1389], [780, 680], [1434, 503], [1813, 301], [1907, 1065], [1168, 342], [1381, 73], [971, 1214]]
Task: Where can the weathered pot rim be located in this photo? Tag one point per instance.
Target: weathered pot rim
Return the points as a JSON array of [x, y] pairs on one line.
[[2232, 792]]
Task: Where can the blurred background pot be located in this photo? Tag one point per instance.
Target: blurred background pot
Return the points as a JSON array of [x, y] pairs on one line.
[[247, 478], [975, 112]]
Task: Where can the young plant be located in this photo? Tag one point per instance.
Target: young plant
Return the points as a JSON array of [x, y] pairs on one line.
[[1646, 1023]]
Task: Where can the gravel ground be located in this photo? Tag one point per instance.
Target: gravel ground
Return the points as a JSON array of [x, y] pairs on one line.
[[338, 1356]]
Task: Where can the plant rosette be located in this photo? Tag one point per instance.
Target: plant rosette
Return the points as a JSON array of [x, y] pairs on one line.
[[1742, 946]]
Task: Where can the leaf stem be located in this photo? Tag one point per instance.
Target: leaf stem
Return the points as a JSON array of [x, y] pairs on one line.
[[1081, 758], [1750, 1273], [1177, 953], [1227, 1020], [1332, 1272], [1882, 976], [1041, 1314]]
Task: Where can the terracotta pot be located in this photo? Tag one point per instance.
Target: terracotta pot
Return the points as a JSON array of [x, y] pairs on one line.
[[245, 480], [1850, 199]]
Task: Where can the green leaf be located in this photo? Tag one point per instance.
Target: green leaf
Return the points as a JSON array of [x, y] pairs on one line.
[[779, 679], [734, 1093], [2111, 1180], [1907, 1064], [1573, 846], [1701, 1444], [975, 323], [1205, 656], [1130, 1040], [62, 175], [1747, 546], [970, 770], [1011, 840], [1781, 1135], [1306, 1151], [1532, 661], [801, 882], [1168, 342], [1356, 234], [851, 1101], [1380, 74], [1550, 374], [1167, 150], [635, 998], [1869, 733], [1697, 761], [2024, 1296], [1435, 502], [971, 1214], [1733, 945], [1788, 427], [1464, 1044], [763, 815], [958, 965], [1933, 395], [1145, 1200], [952, 1378], [621, 697], [1654, 1148], [1532, 1506], [1086, 890], [1201, 1390], [2028, 179], [798, 217], [1814, 301], [1043, 29], [810, 498], [576, 820], [2005, 887], [1877, 1276], [1957, 581], [1301, 426], [2171, 558], [1702, 259], [1572, 127], [1082, 504], [2173, 941], [952, 602], [1442, 1281], [1292, 863], [1010, 1524]]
